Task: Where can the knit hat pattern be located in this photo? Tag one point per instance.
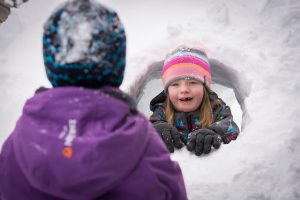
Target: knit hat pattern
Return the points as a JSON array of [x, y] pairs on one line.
[[185, 62], [84, 44]]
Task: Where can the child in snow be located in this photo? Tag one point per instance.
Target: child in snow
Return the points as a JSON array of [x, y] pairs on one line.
[[188, 112], [84, 139]]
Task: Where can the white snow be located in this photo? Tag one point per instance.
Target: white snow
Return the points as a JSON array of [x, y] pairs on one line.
[[260, 39], [79, 34]]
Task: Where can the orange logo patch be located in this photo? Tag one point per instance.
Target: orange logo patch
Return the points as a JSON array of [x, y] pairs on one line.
[[67, 152]]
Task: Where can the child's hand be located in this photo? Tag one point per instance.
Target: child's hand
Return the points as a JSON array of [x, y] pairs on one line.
[[169, 135], [201, 141]]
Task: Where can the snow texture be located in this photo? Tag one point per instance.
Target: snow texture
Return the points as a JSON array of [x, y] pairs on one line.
[[76, 31], [81, 33], [256, 40]]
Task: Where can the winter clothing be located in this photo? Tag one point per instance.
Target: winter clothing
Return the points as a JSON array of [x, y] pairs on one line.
[[186, 62], [187, 122], [4, 11], [84, 44], [77, 143], [5, 7], [13, 3], [169, 135], [83, 144], [202, 139]]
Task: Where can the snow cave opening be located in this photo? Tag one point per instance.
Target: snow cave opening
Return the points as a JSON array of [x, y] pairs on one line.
[[230, 85]]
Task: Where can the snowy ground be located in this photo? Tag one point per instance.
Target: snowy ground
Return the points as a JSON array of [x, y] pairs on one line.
[[259, 38]]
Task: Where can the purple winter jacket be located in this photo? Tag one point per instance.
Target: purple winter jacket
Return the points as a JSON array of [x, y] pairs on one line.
[[82, 144]]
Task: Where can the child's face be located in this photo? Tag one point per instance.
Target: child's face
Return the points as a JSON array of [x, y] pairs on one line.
[[186, 95]]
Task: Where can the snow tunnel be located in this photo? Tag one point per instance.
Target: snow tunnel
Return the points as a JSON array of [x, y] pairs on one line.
[[230, 85]]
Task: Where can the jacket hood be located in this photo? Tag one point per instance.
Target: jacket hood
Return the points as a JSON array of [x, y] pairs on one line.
[[77, 143], [158, 99]]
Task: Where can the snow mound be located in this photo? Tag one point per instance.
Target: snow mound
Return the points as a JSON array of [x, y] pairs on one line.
[[226, 81]]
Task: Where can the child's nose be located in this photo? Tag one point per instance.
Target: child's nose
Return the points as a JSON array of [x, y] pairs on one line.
[[184, 88]]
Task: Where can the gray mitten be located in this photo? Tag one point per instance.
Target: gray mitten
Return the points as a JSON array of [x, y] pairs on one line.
[[201, 141], [169, 135]]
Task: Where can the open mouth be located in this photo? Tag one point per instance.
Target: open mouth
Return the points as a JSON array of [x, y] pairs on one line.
[[185, 99]]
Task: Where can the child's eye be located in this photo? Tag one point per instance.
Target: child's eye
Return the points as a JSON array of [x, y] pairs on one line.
[[174, 84], [193, 82]]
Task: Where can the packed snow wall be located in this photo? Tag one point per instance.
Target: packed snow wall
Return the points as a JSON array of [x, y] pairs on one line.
[[231, 85]]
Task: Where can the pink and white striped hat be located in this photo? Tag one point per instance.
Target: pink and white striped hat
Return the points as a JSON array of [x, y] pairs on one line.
[[185, 62]]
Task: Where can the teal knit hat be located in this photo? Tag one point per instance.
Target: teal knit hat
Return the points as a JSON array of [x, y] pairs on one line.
[[84, 44]]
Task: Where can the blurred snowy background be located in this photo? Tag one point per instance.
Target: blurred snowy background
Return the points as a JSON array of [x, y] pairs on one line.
[[259, 39]]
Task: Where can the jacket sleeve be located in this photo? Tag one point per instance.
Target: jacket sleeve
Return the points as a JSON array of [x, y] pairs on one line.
[[5, 7], [4, 11], [12, 3], [224, 124], [158, 114]]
